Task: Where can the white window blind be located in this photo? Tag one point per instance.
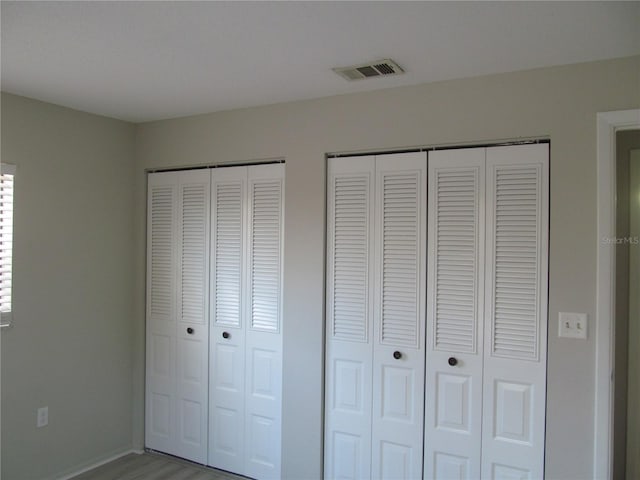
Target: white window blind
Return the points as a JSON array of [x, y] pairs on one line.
[[7, 173]]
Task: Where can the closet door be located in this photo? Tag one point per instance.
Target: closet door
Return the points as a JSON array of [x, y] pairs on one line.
[[455, 314], [177, 313], [160, 394], [192, 374], [263, 357], [399, 316], [227, 340], [349, 352], [516, 312]]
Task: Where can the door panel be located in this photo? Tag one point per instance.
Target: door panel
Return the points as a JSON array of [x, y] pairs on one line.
[[347, 452], [399, 315], [263, 356], [455, 314], [246, 311], [450, 467], [453, 406], [227, 340], [349, 351], [396, 460], [177, 313], [192, 372], [160, 411], [516, 311]]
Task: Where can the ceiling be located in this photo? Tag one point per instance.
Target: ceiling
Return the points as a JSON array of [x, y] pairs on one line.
[[141, 61]]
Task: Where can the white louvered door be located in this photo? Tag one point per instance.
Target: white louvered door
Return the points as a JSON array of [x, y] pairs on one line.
[[399, 316], [487, 297], [349, 352], [160, 395], [516, 312], [227, 341], [246, 311], [177, 313], [263, 359], [453, 414], [376, 223]]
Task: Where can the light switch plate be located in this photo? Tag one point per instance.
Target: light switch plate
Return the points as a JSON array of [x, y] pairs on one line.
[[43, 417], [572, 325]]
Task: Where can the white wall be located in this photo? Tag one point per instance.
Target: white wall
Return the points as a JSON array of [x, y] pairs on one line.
[[559, 103], [70, 346]]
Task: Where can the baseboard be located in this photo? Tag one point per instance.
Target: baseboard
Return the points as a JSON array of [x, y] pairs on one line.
[[95, 463]]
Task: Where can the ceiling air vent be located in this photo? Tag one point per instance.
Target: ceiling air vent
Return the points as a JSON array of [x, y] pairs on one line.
[[380, 68]]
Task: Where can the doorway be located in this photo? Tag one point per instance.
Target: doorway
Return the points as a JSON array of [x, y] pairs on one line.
[[626, 427]]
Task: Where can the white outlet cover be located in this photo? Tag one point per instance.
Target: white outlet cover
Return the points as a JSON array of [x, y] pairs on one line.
[[43, 417], [572, 325]]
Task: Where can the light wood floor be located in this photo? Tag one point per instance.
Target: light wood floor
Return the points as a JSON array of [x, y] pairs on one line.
[[153, 466]]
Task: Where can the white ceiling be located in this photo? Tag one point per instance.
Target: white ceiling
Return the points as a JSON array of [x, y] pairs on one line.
[[142, 61]]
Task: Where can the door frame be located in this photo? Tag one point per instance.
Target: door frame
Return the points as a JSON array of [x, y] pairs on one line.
[[608, 124]]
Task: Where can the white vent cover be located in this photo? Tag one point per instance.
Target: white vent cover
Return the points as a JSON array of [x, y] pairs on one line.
[[379, 68]]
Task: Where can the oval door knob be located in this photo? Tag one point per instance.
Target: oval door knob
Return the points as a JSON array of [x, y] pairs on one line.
[[190, 331], [397, 355], [453, 361], [225, 335]]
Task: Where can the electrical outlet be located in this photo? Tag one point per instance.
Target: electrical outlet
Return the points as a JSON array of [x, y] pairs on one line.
[[572, 325], [43, 417]]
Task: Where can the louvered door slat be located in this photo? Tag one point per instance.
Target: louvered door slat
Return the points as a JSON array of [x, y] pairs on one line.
[[517, 211], [194, 244], [264, 257], [456, 224], [349, 252], [227, 250], [400, 197], [161, 220]]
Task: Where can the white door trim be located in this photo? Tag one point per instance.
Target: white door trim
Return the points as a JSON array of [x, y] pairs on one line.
[[608, 123]]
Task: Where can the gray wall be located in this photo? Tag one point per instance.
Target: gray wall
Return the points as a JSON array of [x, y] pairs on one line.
[[559, 103], [71, 344]]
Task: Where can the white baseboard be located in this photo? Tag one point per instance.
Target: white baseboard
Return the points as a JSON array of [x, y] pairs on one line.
[[110, 457]]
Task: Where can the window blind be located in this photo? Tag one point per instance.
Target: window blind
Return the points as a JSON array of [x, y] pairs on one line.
[[7, 173]]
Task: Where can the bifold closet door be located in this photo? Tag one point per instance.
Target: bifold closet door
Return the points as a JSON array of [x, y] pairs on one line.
[[263, 358], [399, 315], [177, 313], [455, 313], [487, 314], [349, 335], [515, 350], [227, 342], [375, 316], [246, 312]]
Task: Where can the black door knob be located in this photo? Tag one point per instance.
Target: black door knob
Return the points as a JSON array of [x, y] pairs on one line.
[[453, 361], [190, 331], [225, 335], [397, 355]]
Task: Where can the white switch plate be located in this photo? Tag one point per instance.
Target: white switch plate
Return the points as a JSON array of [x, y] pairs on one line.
[[572, 325], [43, 417]]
